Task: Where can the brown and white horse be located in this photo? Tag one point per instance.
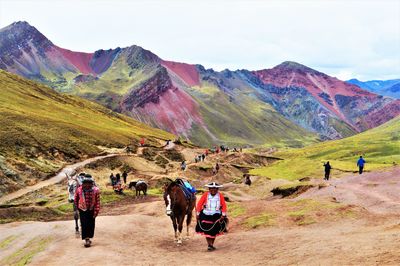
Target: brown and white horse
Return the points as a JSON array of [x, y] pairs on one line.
[[178, 207]]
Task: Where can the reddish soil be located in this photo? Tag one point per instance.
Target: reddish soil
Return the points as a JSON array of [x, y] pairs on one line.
[[78, 59], [175, 111], [188, 73]]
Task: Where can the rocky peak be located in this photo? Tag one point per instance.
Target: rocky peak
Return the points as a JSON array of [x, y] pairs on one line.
[[138, 57], [18, 35], [290, 66]]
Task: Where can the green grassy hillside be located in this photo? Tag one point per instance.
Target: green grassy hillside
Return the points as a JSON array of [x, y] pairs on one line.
[[380, 147], [243, 120], [41, 129]]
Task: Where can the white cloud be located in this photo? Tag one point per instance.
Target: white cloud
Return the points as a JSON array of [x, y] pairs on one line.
[[342, 38]]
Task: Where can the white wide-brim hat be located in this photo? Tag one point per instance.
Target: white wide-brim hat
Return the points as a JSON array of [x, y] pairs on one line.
[[213, 185]]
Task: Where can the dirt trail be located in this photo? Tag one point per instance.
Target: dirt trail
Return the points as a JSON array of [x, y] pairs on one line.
[[145, 236], [69, 169], [375, 191]]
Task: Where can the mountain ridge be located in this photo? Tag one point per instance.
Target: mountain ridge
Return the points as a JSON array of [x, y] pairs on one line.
[[135, 81]]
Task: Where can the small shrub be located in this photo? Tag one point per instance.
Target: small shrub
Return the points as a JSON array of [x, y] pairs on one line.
[[174, 155], [149, 154]]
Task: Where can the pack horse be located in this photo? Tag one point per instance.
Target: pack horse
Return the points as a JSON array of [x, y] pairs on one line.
[[178, 206]]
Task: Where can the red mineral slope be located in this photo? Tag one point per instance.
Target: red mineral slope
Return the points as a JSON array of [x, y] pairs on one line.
[[188, 73], [176, 112], [78, 59]]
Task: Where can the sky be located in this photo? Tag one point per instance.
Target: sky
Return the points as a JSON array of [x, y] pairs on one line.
[[342, 38]]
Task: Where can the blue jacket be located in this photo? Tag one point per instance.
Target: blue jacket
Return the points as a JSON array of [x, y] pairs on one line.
[[360, 162]]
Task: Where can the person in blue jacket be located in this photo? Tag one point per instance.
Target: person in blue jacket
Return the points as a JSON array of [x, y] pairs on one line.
[[360, 164]]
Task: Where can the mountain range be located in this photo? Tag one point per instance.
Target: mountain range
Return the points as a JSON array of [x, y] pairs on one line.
[[383, 87], [290, 103]]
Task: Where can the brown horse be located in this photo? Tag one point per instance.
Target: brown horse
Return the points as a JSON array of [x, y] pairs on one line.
[[177, 207], [139, 186]]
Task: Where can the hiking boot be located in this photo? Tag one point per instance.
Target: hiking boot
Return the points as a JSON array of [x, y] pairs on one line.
[[87, 243]]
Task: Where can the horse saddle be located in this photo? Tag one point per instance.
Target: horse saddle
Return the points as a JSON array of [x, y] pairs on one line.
[[188, 194]]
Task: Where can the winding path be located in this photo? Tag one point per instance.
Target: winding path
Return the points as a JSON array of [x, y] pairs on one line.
[[67, 170]]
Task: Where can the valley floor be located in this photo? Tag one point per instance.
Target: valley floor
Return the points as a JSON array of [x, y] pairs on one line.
[[144, 234]]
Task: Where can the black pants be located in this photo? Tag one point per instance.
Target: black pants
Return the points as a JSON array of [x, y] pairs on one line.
[[327, 173], [360, 169], [87, 223]]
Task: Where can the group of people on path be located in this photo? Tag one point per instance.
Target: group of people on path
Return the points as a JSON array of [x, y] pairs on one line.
[[116, 183], [328, 167], [200, 157]]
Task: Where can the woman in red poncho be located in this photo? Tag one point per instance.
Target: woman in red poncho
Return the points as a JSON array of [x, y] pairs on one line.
[[87, 200], [211, 214]]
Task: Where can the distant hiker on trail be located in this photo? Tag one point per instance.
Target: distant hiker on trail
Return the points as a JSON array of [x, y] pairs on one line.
[[360, 164], [247, 179], [113, 180], [328, 168], [124, 176], [206, 152], [203, 157], [141, 142], [87, 201], [217, 167], [118, 178], [183, 165], [211, 215], [214, 172]]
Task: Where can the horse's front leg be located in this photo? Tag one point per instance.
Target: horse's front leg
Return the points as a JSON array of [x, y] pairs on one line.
[[180, 227], [175, 227]]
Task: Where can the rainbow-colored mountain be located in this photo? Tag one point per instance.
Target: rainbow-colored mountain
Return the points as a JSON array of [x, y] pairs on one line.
[[287, 104]]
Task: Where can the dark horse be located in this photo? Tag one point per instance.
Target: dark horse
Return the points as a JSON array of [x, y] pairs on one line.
[[177, 207], [139, 186], [72, 186]]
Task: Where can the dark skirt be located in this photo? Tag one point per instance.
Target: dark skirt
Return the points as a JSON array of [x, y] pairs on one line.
[[209, 226], [87, 223]]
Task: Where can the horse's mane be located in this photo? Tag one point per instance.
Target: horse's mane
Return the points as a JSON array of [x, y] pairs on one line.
[[171, 184]]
